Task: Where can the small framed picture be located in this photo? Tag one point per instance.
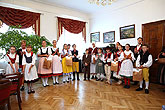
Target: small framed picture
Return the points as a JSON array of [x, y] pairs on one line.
[[109, 37], [127, 32], [95, 37]]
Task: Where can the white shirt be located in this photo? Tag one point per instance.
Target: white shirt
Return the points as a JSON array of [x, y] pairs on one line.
[[147, 64], [109, 59], [63, 52], [12, 56], [138, 46], [28, 55], [127, 53], [120, 58]]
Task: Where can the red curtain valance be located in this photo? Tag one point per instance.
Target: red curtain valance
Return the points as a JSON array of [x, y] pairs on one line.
[[73, 26], [15, 17]]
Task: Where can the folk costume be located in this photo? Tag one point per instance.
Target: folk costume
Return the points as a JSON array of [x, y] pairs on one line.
[[56, 65], [43, 72], [67, 69], [139, 49], [126, 69], [13, 59], [100, 66], [93, 62], [75, 64], [145, 60], [108, 57]]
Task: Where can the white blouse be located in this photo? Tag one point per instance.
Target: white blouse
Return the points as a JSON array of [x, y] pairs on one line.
[[28, 55], [12, 56], [101, 58], [127, 53], [44, 49]]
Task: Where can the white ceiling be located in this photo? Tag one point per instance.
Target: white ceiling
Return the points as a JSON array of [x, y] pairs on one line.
[[85, 7], [78, 5]]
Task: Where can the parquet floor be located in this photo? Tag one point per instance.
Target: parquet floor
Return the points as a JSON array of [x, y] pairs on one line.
[[90, 95]]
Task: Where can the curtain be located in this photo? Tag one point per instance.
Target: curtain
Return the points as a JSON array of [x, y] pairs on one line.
[[16, 17], [72, 26]]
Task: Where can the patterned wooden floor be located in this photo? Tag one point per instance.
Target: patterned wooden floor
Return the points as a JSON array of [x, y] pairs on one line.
[[90, 95]]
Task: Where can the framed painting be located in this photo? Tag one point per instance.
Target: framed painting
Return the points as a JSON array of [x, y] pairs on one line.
[[95, 37], [127, 32], [109, 37]]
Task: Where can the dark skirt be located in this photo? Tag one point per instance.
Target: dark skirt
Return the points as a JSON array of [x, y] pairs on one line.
[[161, 74]]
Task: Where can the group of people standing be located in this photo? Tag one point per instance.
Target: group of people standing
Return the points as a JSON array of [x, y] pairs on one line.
[[66, 62]]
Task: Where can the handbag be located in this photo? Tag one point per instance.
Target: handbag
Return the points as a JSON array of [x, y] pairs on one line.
[[47, 64], [137, 74], [114, 66], [68, 61]]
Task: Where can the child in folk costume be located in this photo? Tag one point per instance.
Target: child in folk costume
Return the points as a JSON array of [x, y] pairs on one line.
[[86, 62], [13, 60], [93, 61], [108, 57], [118, 57], [144, 61], [20, 53], [29, 68], [75, 62], [126, 69], [67, 69], [100, 65], [43, 54], [56, 63]]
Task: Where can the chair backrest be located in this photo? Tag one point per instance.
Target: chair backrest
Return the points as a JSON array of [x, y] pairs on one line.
[[17, 80], [4, 90]]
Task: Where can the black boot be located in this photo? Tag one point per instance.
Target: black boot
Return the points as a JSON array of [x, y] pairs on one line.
[[92, 77], [73, 76]]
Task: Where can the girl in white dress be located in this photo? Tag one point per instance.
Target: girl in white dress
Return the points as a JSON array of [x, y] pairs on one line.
[[126, 69], [13, 60], [56, 63], [29, 68]]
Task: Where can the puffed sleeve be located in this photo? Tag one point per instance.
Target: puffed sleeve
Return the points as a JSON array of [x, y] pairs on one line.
[[138, 61], [17, 59], [39, 51], [34, 59], [149, 62], [49, 51], [102, 58], [23, 60], [7, 58], [132, 55], [121, 57]]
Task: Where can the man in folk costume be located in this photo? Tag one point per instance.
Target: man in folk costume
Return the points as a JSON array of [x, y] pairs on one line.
[[118, 57], [86, 62], [13, 59], [56, 63], [93, 62], [144, 62], [20, 53], [108, 57], [44, 54], [70, 52], [138, 48], [75, 62], [126, 69], [100, 65], [67, 69], [29, 68]]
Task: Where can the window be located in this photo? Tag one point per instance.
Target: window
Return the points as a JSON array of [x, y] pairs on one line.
[[70, 38]]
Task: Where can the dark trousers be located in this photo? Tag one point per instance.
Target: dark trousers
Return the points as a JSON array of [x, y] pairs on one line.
[[77, 75], [87, 72]]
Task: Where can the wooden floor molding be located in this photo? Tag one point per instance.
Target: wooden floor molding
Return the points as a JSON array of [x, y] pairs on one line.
[[90, 95]]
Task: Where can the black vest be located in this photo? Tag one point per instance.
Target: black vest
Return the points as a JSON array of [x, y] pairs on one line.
[[44, 53], [144, 57], [28, 59], [53, 52]]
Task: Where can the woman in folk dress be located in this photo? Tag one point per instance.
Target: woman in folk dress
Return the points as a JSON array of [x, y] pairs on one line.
[[56, 63], [44, 52], [13, 60], [67, 69], [29, 68], [126, 69]]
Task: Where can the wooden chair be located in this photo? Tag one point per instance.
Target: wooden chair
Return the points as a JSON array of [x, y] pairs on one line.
[[16, 79], [5, 88]]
